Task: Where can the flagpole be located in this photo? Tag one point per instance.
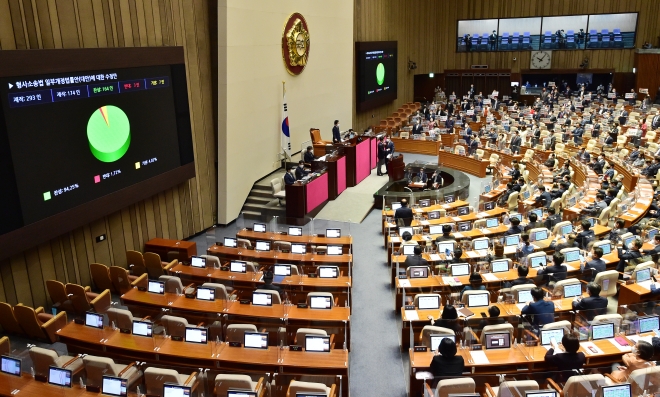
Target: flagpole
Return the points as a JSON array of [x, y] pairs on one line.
[[286, 156]]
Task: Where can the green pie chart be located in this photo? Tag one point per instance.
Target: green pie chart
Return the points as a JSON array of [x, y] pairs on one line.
[[380, 74], [108, 133]]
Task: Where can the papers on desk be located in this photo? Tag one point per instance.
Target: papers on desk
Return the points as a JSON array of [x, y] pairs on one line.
[[482, 215], [395, 239], [424, 223], [446, 206], [404, 283], [458, 235], [411, 315], [590, 349], [521, 305], [479, 357], [647, 284], [616, 344], [486, 231], [418, 210], [637, 338], [452, 281], [434, 257], [322, 158], [490, 277], [456, 218]]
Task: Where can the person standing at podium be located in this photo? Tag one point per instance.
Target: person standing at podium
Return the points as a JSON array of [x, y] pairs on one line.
[[336, 134], [389, 145], [382, 156]]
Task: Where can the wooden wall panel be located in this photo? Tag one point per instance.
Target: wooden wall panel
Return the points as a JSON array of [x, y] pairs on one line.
[[426, 31], [176, 213]]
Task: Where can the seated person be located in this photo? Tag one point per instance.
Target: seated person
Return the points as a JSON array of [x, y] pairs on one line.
[[526, 247], [556, 272], [544, 199], [416, 259], [594, 304], [638, 358], [268, 283], [498, 251], [523, 271], [448, 319], [570, 359], [407, 239], [618, 230], [595, 265], [309, 155], [515, 227], [476, 283], [586, 235], [493, 317], [568, 243], [447, 363], [455, 257], [533, 222], [502, 202], [300, 170], [542, 311], [552, 219], [598, 206], [633, 252], [656, 249], [290, 177], [446, 235]]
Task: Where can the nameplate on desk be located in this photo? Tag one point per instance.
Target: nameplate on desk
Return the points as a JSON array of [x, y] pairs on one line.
[[312, 275], [40, 378], [403, 276], [234, 344], [224, 268], [409, 307], [177, 338], [245, 301], [142, 288], [302, 305], [420, 349], [476, 347], [125, 330], [93, 389], [628, 282], [79, 321], [295, 348], [190, 295]]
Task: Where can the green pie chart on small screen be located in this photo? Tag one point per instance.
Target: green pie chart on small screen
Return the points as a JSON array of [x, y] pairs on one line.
[[108, 133], [380, 74]]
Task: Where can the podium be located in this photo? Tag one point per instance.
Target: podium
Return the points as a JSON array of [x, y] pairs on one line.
[[396, 168]]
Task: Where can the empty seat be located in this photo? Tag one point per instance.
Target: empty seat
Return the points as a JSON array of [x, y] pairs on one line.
[[236, 332], [458, 386], [220, 290], [8, 320], [122, 318], [37, 324], [301, 333], [211, 261], [80, 297], [276, 189], [135, 262], [155, 267], [515, 388], [580, 385], [224, 382], [96, 367], [101, 277], [496, 329], [174, 326], [59, 296], [44, 358], [298, 386], [155, 378], [5, 346], [121, 279], [173, 284]]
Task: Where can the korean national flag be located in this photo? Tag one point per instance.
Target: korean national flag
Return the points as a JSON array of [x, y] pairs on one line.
[[286, 137]]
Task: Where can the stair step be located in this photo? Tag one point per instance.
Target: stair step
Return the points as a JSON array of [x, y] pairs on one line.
[[259, 193], [259, 199]]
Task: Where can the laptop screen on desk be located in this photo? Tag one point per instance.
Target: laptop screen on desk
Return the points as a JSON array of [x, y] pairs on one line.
[[464, 226], [196, 335], [262, 299], [408, 249], [643, 275], [237, 267], [424, 202], [621, 390], [94, 320], [602, 331], [628, 240], [282, 270], [436, 339], [59, 376], [262, 246], [526, 194], [572, 290], [500, 266], [463, 210], [320, 302], [566, 229], [317, 343], [498, 341], [538, 212], [205, 293], [548, 334], [572, 256], [537, 261], [461, 269], [489, 205], [445, 248], [492, 222], [435, 229], [114, 386], [10, 365], [607, 248], [419, 271], [333, 233], [651, 233], [328, 271], [255, 340], [157, 287], [434, 215], [480, 244], [478, 300], [142, 328], [404, 229], [196, 261], [230, 242], [449, 198], [517, 216], [334, 249], [172, 390], [428, 302], [647, 324], [511, 240], [259, 227], [295, 231], [396, 205], [298, 248], [540, 235], [524, 295]]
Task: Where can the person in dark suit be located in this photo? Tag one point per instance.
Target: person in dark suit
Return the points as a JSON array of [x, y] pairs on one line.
[[594, 304], [542, 311], [552, 219], [492, 40], [595, 265], [268, 283], [416, 259], [586, 235], [448, 319], [569, 243], [336, 134], [446, 235], [655, 123], [404, 213], [556, 272], [309, 155], [471, 91], [516, 141], [436, 180], [627, 254], [523, 271], [570, 359], [422, 176], [300, 170], [289, 177], [417, 129], [389, 146], [447, 363], [656, 250], [533, 222], [545, 198], [382, 156]]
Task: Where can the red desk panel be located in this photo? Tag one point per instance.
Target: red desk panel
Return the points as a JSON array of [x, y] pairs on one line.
[[316, 192], [341, 175], [362, 160]]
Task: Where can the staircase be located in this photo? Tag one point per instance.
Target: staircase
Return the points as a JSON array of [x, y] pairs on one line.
[[260, 202]]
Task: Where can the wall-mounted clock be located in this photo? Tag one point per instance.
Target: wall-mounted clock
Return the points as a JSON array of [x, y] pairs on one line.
[[540, 60]]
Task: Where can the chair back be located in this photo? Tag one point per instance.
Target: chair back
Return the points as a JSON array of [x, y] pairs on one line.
[[8, 320], [276, 185], [58, 295], [120, 280], [174, 326], [274, 295], [243, 243], [220, 290], [301, 333], [29, 322], [5, 346], [516, 388], [645, 380], [135, 262], [642, 266], [298, 386], [122, 318], [236, 332], [416, 298], [156, 377], [101, 277], [583, 385], [496, 328], [315, 135], [515, 290], [96, 367], [608, 282], [282, 246], [153, 265], [212, 261], [446, 387], [172, 284], [224, 382], [42, 359], [428, 330], [79, 298], [512, 202], [565, 324], [467, 293]]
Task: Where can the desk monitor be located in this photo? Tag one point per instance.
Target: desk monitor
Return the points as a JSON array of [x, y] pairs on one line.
[[478, 300], [459, 269], [434, 215], [463, 210], [607, 248], [526, 194], [114, 386], [524, 295], [404, 229], [647, 324], [602, 331], [197, 261], [298, 248], [419, 271], [328, 271], [566, 229], [237, 267], [333, 233], [143, 328], [262, 246], [538, 212], [262, 299], [428, 302], [517, 216], [94, 320], [424, 202], [540, 235], [437, 338], [59, 376], [541, 393], [572, 255], [230, 242], [651, 233], [499, 266], [487, 189], [282, 270], [206, 293], [446, 247], [620, 390], [449, 198], [10, 365], [480, 244], [157, 287], [435, 229], [259, 227], [464, 226], [241, 393], [592, 221], [334, 249], [196, 335], [628, 240], [498, 341], [492, 222], [408, 249], [643, 275], [489, 205], [255, 340], [548, 334], [173, 390], [317, 343], [571, 201], [320, 302], [396, 205], [511, 240], [572, 290], [295, 231]]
